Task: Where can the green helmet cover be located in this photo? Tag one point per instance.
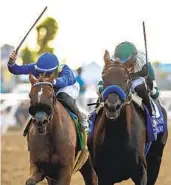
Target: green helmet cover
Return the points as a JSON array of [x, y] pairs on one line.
[[125, 50]]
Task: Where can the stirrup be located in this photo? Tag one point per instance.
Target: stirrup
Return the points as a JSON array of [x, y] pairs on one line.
[[84, 127], [99, 107]]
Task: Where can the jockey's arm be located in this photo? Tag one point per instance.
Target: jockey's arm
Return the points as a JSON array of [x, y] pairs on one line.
[[143, 73], [155, 89], [66, 77], [21, 69]]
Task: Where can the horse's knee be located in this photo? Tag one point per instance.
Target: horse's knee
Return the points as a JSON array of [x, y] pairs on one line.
[[31, 182], [89, 173]]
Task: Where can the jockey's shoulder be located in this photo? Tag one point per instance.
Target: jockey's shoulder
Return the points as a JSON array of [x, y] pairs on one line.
[[141, 57], [63, 67], [141, 54], [60, 68]]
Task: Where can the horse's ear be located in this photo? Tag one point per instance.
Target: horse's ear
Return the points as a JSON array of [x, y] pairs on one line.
[[107, 58], [52, 77], [32, 79]]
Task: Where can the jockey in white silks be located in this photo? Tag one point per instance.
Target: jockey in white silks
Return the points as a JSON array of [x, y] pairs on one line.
[[136, 63]]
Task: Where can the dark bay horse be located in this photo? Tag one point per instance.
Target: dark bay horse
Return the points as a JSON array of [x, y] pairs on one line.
[[119, 137], [52, 138]]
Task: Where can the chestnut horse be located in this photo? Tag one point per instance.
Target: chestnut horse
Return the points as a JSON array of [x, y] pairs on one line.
[[119, 136], [52, 138]]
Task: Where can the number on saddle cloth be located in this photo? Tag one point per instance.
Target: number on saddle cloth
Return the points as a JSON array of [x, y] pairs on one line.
[[154, 125]]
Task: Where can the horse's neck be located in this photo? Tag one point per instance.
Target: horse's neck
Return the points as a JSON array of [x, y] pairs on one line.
[[56, 121], [62, 124], [116, 127], [111, 131], [122, 125]]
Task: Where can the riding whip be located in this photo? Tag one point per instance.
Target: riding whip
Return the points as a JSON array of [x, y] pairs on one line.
[[145, 43], [30, 30]]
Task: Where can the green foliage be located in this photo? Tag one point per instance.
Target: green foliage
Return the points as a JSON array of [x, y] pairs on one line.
[[46, 32], [27, 55]]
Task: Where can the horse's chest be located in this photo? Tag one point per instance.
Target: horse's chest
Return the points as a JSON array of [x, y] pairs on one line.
[[116, 152], [42, 150]]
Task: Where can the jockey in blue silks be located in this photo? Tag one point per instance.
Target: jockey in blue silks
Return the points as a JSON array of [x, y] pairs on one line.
[[65, 85]]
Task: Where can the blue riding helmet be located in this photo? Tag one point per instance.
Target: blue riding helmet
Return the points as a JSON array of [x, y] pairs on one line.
[[47, 62], [124, 50]]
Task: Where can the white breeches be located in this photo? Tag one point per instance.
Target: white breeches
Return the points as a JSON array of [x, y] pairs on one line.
[[138, 81], [72, 90]]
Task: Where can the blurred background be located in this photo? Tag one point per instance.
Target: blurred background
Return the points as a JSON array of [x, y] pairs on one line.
[[78, 32]]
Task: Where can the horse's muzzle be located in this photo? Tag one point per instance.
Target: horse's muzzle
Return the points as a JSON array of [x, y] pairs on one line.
[[41, 121], [112, 109]]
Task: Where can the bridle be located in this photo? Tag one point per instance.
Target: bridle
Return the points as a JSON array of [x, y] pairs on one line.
[[117, 63], [33, 108]]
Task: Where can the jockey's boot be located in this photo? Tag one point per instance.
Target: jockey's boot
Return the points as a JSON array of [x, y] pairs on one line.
[[70, 103], [142, 92]]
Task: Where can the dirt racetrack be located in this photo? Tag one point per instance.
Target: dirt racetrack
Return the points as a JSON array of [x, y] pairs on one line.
[[15, 162]]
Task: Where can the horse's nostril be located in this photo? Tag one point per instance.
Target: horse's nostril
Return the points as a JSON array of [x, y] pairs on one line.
[[112, 109], [45, 122], [38, 123], [117, 106], [106, 105]]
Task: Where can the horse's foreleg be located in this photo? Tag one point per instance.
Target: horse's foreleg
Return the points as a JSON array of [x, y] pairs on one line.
[[154, 160], [36, 175], [63, 176], [52, 182], [88, 173], [140, 174]]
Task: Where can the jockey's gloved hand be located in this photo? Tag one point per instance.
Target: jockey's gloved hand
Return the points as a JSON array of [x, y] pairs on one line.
[[12, 57], [149, 81]]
